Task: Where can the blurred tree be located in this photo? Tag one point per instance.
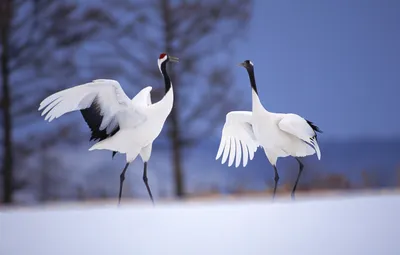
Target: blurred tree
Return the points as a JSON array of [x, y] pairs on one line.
[[200, 33], [38, 43], [101, 184], [5, 19], [51, 176]]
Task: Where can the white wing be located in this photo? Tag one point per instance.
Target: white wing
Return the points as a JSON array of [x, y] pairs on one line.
[[105, 97], [237, 134], [299, 127], [143, 98]]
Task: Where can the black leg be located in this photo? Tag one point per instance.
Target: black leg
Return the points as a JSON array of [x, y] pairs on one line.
[[145, 180], [276, 180], [121, 182], [298, 176]]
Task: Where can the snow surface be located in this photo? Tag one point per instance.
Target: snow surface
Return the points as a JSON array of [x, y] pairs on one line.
[[340, 225]]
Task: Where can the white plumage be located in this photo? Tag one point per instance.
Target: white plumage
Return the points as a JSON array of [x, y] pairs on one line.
[[280, 135], [237, 135], [120, 124], [136, 118]]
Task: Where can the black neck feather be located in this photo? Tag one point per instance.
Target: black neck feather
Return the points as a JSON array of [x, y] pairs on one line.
[[250, 70], [167, 80]]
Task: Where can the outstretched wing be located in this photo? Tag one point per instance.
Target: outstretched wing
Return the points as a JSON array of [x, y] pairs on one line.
[[143, 98], [237, 137], [302, 129], [99, 101]]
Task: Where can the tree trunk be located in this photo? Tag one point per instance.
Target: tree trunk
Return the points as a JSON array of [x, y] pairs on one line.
[[5, 18], [176, 151], [174, 127]]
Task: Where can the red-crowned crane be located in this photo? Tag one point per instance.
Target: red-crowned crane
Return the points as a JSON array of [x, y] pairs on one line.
[[118, 123]]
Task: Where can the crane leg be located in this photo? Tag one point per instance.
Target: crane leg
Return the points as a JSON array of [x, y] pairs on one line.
[[298, 176], [276, 181], [121, 182], [145, 180]]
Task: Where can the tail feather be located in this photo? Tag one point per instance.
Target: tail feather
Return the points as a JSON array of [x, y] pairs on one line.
[[314, 127], [119, 143], [316, 147]]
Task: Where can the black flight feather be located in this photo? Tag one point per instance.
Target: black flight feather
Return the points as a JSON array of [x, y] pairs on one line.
[[315, 128], [93, 119]]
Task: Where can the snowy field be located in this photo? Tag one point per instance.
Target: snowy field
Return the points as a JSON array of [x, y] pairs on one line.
[[334, 225]]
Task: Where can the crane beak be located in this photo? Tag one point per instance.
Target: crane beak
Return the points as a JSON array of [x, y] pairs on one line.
[[241, 64], [173, 59]]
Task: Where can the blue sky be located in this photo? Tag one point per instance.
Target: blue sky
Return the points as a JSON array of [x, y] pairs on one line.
[[333, 62]]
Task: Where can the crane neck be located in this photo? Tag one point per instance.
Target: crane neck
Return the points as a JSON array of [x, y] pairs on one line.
[[164, 106], [167, 80], [256, 103], [252, 77]]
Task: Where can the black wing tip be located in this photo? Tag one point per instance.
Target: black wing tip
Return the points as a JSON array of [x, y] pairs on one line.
[[113, 154], [314, 127], [93, 119]]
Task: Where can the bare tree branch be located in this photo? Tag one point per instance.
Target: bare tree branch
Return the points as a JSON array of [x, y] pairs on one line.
[[42, 38]]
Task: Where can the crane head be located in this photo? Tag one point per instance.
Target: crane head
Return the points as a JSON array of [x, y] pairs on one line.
[[247, 64], [164, 58]]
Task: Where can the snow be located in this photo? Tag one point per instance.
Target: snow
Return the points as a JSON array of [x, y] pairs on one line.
[[340, 225]]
